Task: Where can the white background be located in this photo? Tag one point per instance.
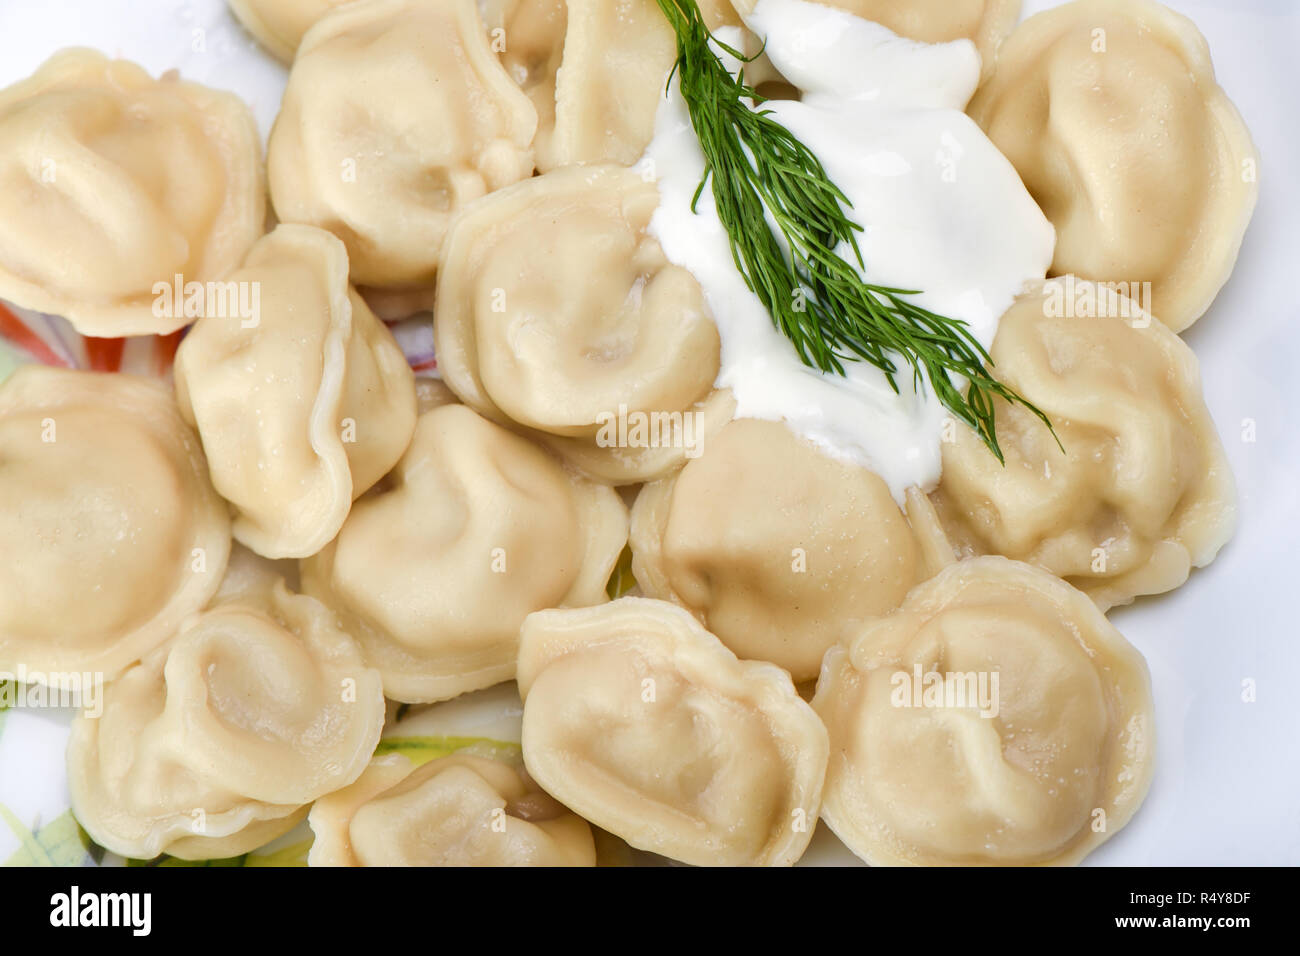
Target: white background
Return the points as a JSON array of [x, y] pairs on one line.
[[1227, 784]]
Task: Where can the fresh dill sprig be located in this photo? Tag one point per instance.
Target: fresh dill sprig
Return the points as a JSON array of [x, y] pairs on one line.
[[762, 174]]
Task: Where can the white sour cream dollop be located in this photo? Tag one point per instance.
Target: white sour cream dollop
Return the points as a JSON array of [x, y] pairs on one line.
[[943, 211]]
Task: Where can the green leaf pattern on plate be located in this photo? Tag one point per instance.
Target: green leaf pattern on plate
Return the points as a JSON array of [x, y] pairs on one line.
[[61, 842]]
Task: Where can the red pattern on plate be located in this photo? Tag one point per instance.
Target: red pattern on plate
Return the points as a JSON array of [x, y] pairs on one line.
[[16, 331]]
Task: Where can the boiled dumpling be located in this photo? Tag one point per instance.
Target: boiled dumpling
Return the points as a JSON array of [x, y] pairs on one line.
[[986, 22], [396, 115], [777, 548], [304, 409], [1110, 112], [646, 725], [279, 25], [113, 184], [559, 312], [995, 718], [528, 35], [617, 57], [213, 745], [596, 70], [436, 568], [112, 533], [454, 811], [1142, 492]]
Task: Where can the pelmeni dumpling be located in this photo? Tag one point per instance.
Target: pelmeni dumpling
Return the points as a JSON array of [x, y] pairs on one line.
[[777, 548], [617, 57], [279, 25], [646, 725], [596, 71], [397, 114], [112, 533], [302, 408], [995, 718], [214, 744], [1142, 492], [1110, 112], [454, 811], [112, 182], [528, 35], [559, 312], [436, 568], [986, 22]]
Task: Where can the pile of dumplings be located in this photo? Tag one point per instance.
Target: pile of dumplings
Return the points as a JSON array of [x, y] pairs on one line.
[[262, 555]]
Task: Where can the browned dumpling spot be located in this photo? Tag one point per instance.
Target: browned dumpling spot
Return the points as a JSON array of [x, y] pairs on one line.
[[995, 718]]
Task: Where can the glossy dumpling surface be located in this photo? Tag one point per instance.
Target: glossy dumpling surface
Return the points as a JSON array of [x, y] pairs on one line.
[[617, 55], [1032, 746], [596, 71], [279, 25], [112, 182], [1110, 112], [458, 810], [528, 35], [305, 407], [397, 114], [559, 312], [1142, 492], [645, 724], [777, 548], [436, 568], [112, 531], [259, 706]]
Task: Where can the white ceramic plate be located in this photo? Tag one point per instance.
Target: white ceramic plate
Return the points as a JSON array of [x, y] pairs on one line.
[[1227, 783]]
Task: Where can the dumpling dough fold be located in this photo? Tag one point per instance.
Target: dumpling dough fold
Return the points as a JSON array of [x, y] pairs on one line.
[[595, 70], [305, 409], [1110, 112], [459, 810], [215, 743], [396, 115], [557, 311], [112, 182], [1033, 744], [110, 531], [1142, 492], [476, 527], [646, 725], [279, 25], [777, 548]]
